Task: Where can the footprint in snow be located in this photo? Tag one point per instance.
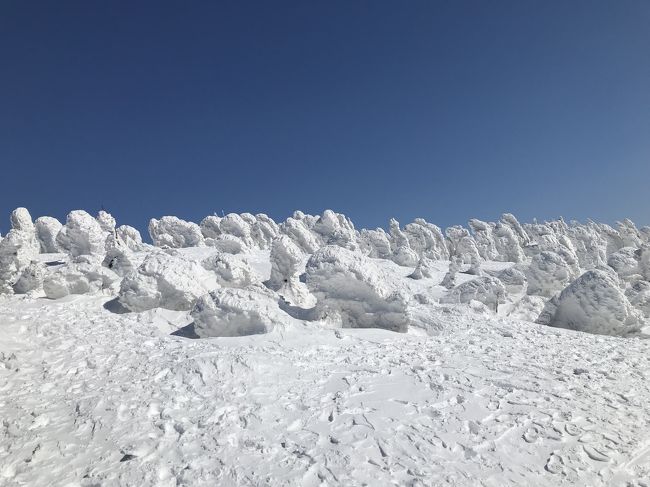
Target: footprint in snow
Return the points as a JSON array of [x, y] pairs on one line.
[[531, 435], [572, 429], [595, 454], [554, 464]]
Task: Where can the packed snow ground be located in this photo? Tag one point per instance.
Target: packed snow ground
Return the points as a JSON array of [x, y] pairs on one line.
[[328, 355]]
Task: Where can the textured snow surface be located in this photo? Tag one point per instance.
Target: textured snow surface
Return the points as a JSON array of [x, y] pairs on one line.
[[242, 351], [94, 398]]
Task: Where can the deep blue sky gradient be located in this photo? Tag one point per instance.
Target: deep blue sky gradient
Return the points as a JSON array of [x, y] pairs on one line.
[[442, 110]]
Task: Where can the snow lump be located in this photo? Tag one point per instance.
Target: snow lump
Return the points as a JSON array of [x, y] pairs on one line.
[[82, 235], [165, 280], [351, 286], [488, 290], [80, 277], [235, 312], [173, 232], [47, 228], [595, 303]]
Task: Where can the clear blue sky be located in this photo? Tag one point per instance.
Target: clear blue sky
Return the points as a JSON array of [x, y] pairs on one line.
[[442, 110]]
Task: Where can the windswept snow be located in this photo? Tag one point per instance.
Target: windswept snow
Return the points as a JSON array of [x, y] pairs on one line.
[[501, 353]]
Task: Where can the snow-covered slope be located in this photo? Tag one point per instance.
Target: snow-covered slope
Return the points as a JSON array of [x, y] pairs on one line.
[[327, 355]]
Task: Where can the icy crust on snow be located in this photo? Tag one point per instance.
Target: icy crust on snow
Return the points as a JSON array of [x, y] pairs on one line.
[[323, 264]]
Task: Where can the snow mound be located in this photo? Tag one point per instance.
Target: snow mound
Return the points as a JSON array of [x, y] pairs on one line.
[[350, 285], [405, 256], [47, 228], [449, 280], [509, 220], [547, 274], [625, 261], [426, 239], [528, 308], [461, 244], [335, 229], [30, 279], [298, 231], [513, 279], [210, 226], [130, 237], [21, 220], [629, 234], [17, 249], [375, 243], [228, 244], [234, 225], [231, 271], [165, 280], [484, 240], [507, 244], [106, 221], [120, 258], [231, 312], [264, 230], [82, 235], [590, 245], [287, 261], [175, 233], [79, 277], [639, 295], [422, 270], [644, 262], [487, 290], [594, 303]]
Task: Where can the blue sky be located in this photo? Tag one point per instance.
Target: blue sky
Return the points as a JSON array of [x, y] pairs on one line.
[[442, 110]]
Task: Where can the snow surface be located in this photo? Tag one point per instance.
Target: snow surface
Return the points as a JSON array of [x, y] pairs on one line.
[[245, 352]]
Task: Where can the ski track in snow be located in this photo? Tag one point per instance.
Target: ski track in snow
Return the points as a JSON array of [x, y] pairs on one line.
[[93, 398]]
